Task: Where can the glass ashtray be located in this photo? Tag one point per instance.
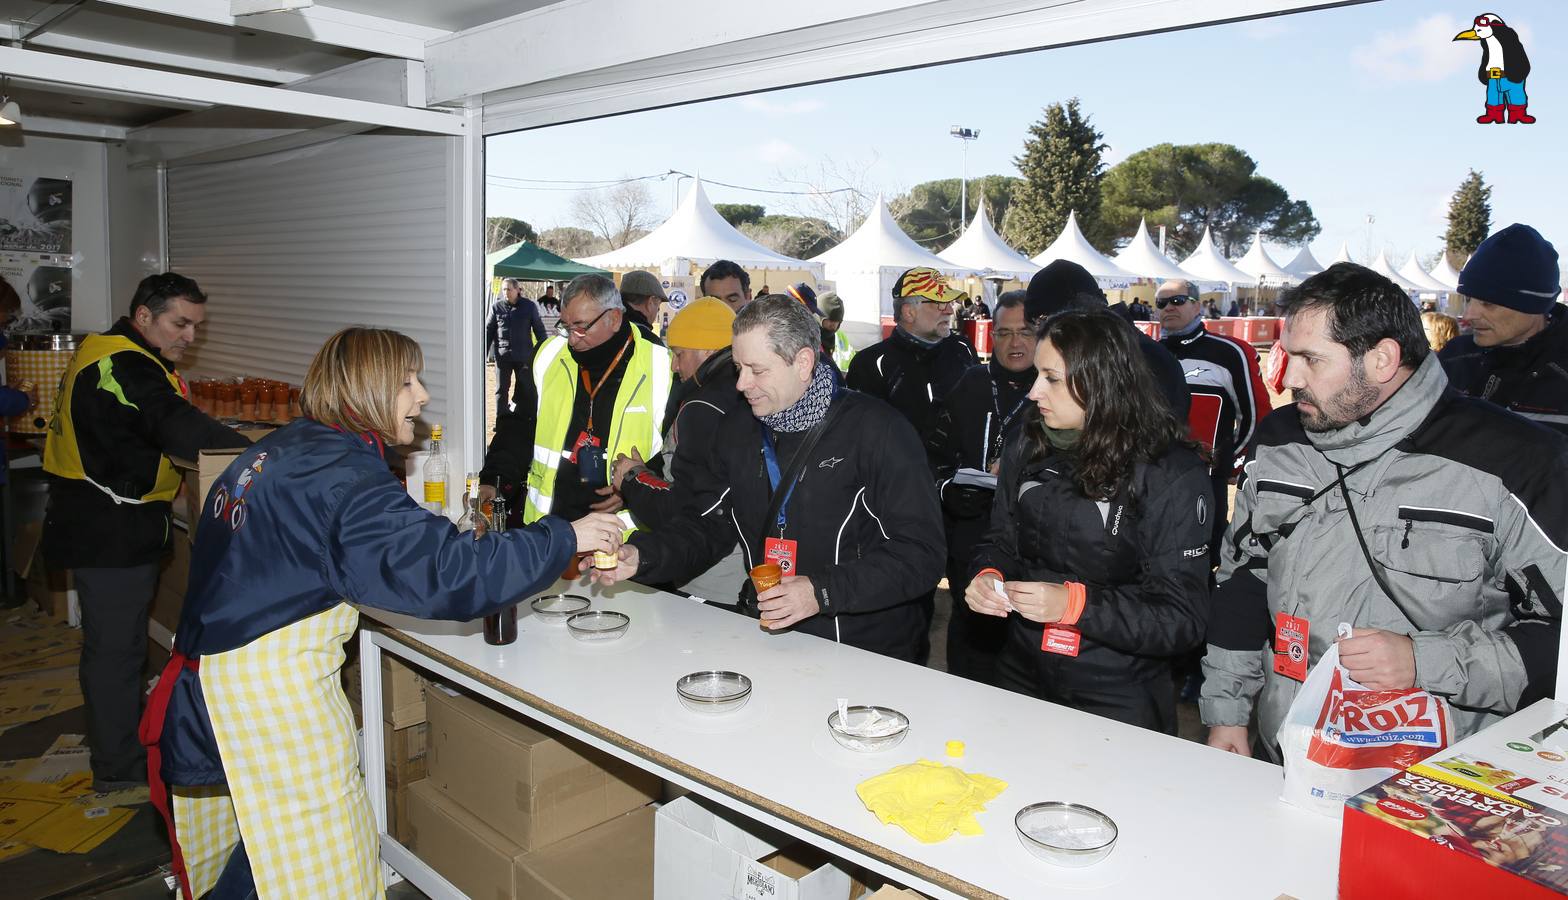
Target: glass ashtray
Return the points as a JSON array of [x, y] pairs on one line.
[[869, 729], [713, 691], [598, 625], [557, 607], [1066, 834]]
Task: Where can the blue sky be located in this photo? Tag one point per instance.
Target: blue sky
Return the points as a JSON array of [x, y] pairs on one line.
[[1361, 110]]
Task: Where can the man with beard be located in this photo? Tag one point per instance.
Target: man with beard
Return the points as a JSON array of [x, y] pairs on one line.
[[1431, 523]]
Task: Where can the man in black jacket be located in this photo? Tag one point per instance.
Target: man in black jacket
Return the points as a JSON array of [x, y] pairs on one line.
[[1516, 354], [983, 411], [922, 360], [643, 294], [916, 367], [512, 331], [851, 514], [122, 413], [700, 337]]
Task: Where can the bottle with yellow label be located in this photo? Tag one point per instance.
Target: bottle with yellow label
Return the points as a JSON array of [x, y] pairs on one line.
[[436, 471]]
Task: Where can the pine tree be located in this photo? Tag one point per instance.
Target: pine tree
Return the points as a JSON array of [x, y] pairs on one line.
[[1469, 218], [1062, 166]]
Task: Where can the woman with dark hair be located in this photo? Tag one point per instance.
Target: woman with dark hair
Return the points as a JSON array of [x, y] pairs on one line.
[[1098, 547]]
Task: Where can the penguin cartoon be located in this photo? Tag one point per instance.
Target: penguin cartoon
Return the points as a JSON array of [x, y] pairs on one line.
[[1504, 67]]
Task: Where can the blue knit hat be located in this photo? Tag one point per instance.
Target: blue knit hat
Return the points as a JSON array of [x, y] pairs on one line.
[[1516, 268]]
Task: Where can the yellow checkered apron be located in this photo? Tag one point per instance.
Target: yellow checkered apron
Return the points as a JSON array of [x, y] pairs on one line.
[[294, 794]]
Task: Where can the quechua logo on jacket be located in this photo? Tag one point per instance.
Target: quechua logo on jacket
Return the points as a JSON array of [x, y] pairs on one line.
[[228, 505]]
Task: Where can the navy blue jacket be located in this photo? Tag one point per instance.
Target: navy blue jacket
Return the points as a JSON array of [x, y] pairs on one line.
[[307, 518], [506, 331]]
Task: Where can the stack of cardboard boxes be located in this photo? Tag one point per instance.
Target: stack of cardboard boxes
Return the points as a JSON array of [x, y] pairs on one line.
[[513, 811]]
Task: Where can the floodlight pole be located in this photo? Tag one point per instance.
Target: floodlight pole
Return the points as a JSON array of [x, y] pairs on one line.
[[964, 135]]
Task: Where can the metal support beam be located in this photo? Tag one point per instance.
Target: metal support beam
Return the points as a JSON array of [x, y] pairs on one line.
[[322, 24], [226, 68], [47, 126], [560, 79], [71, 71]]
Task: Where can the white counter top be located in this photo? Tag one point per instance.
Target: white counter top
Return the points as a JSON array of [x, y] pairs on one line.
[[1195, 822]]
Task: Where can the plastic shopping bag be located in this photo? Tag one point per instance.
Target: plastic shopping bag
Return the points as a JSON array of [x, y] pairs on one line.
[[1340, 738], [1274, 372]]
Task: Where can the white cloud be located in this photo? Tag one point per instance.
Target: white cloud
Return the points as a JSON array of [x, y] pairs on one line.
[[778, 151], [1425, 52], [784, 108]]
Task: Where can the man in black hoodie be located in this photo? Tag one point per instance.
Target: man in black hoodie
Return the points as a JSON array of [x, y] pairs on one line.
[[1064, 285], [984, 410], [122, 413], [844, 503]]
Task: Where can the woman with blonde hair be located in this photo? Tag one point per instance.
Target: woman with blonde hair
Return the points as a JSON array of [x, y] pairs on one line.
[[248, 725], [1440, 329]]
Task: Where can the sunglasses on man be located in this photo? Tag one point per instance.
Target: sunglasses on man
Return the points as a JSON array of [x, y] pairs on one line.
[[1178, 300]]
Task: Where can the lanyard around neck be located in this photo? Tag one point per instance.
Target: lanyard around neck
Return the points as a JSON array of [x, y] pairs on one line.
[[593, 389]]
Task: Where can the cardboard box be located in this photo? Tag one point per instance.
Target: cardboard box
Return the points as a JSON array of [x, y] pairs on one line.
[[476, 858], [532, 786], [174, 572], [889, 892], [1488, 817], [402, 690], [47, 588], [612, 861], [704, 851], [201, 472]]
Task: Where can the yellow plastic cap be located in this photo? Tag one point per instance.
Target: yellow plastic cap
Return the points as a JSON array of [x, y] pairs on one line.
[[955, 749]]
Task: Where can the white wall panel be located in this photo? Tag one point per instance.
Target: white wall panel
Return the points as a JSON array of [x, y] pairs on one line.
[[291, 247]]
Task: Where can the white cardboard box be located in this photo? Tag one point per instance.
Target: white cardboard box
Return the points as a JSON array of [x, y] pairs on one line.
[[702, 851]]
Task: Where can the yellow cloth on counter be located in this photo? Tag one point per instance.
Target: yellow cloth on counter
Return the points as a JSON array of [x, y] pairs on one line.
[[929, 800]]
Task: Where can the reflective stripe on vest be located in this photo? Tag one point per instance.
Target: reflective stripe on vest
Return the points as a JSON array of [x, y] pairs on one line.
[[639, 405], [62, 453]]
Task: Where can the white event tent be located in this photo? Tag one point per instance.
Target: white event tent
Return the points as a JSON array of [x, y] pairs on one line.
[[1445, 274], [695, 235], [1072, 246], [1343, 255], [865, 265], [1206, 263], [1142, 258], [982, 249], [1413, 273], [1383, 268], [1305, 265], [1262, 267]]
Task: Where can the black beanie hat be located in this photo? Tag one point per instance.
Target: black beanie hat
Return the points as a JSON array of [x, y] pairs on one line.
[[1059, 286], [1516, 268]]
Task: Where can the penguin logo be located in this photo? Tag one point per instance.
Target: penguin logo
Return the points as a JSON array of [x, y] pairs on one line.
[[1504, 67], [1203, 511]]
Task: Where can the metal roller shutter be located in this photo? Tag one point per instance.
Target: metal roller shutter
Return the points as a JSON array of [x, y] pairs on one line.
[[290, 247]]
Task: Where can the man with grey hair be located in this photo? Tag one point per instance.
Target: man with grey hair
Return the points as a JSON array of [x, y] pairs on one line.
[[601, 388], [843, 503]]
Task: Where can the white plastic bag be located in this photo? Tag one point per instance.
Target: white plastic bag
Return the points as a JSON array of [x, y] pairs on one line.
[[1340, 738]]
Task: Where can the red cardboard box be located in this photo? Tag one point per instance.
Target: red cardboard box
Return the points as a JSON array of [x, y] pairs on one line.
[[1485, 818]]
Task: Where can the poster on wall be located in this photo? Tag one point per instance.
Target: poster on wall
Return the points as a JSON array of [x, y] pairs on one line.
[[43, 282], [35, 213]]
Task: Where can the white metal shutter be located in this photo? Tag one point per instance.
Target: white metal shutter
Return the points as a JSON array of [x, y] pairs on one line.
[[291, 247]]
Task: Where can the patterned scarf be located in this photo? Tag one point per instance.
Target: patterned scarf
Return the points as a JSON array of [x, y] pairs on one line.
[[810, 408]]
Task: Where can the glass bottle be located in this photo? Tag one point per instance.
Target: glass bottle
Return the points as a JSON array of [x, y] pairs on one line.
[[436, 471], [501, 627], [471, 504]]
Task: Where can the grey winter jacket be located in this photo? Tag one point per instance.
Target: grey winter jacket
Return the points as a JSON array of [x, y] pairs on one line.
[[1464, 509]]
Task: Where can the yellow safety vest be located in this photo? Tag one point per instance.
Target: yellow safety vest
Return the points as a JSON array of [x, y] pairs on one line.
[[843, 350], [639, 407], [62, 454]]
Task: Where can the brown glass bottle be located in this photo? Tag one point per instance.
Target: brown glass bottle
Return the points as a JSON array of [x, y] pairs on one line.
[[501, 627]]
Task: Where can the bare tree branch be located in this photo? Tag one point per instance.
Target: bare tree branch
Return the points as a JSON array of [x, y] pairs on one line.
[[617, 214]]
